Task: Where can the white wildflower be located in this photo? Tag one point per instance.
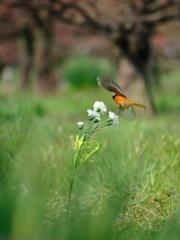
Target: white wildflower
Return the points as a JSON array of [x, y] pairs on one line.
[[100, 107], [80, 125], [94, 114], [113, 117]]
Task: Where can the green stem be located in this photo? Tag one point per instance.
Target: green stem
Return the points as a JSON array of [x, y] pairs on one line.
[[98, 127], [87, 136], [90, 123], [71, 185]]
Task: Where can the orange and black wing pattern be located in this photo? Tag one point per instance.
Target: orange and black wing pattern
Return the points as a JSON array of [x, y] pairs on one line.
[[110, 86]]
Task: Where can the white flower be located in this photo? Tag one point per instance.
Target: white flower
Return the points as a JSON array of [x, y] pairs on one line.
[[100, 107], [80, 123], [92, 113], [114, 117]]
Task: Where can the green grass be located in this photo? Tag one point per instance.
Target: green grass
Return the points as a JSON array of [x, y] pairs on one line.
[[132, 193]]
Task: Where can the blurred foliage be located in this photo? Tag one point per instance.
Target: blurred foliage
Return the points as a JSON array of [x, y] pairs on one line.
[[82, 70], [168, 92], [132, 193]]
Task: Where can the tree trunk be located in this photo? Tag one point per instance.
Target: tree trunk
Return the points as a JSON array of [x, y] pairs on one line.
[[47, 80], [27, 65], [137, 50], [127, 73]]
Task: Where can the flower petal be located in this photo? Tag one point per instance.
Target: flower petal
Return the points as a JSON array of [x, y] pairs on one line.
[[99, 107]]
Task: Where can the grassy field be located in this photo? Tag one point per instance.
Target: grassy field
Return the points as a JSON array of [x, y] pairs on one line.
[[133, 191]]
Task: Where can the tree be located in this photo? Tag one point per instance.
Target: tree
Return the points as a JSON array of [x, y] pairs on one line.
[[26, 19], [129, 24]]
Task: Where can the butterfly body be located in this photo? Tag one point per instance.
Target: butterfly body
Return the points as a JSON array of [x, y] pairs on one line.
[[126, 110]]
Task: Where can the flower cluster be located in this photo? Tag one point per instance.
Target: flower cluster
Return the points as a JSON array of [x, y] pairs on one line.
[[99, 107], [94, 115]]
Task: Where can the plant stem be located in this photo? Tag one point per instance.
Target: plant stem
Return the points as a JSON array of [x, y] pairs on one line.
[[71, 185]]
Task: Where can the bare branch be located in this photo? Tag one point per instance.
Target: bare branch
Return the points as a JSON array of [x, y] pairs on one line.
[[87, 18], [160, 17], [159, 5]]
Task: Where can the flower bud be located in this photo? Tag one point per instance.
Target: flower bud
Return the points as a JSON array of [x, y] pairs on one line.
[[80, 124], [96, 120], [109, 120], [91, 118]]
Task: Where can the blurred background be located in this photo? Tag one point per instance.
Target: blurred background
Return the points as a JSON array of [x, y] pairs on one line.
[[51, 53]]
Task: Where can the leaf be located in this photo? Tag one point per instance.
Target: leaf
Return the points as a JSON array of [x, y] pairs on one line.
[[86, 156], [78, 142], [89, 144], [92, 161]]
